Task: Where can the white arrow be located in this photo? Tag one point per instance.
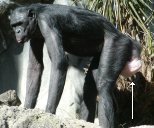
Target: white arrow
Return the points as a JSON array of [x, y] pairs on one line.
[[132, 84]]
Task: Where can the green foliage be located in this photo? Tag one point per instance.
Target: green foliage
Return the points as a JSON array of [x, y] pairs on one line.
[[133, 17]]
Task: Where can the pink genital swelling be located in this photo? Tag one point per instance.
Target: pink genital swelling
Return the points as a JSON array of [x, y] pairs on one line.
[[131, 67]]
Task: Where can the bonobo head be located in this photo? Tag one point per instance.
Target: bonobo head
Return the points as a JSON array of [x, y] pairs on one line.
[[24, 23]]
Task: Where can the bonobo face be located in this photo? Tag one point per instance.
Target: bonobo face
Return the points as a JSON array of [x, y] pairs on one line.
[[23, 23]]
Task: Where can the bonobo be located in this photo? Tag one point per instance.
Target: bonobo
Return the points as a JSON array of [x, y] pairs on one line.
[[80, 32]]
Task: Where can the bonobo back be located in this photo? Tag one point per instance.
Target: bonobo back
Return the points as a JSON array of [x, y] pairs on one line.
[[75, 20]]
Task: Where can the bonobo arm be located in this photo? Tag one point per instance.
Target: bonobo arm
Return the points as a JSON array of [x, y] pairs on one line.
[[34, 72], [59, 63]]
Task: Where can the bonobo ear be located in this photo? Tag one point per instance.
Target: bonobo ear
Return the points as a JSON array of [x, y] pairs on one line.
[[10, 14], [31, 13], [9, 17]]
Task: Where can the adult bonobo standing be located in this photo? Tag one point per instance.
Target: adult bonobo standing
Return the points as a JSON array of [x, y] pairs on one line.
[[82, 33]]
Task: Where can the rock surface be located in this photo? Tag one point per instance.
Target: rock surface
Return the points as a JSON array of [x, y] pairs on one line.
[[17, 117], [143, 126], [9, 98], [12, 116]]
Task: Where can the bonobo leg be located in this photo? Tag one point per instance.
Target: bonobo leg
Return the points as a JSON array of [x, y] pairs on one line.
[[88, 105], [115, 54], [34, 73]]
